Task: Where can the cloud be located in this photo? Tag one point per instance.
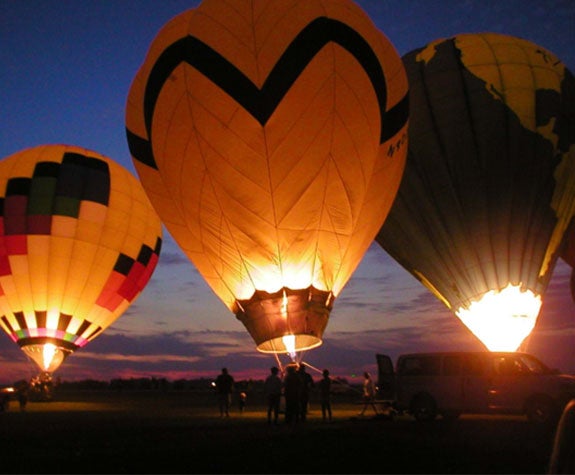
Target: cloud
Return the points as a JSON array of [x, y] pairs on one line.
[[171, 258], [154, 358], [390, 318]]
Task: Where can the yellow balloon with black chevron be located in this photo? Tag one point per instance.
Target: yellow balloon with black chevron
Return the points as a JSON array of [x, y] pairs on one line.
[[271, 139]]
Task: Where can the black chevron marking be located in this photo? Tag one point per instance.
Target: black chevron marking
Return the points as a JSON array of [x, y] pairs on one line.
[[261, 103]]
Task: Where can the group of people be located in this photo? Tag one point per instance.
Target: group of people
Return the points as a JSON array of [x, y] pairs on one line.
[[295, 387]]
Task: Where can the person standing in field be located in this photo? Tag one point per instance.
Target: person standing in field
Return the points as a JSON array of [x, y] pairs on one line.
[[368, 393], [325, 396], [22, 388], [292, 389], [273, 393], [242, 401], [306, 386], [224, 387]]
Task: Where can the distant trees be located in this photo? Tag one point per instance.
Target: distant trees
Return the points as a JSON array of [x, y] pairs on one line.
[[143, 384], [253, 388]]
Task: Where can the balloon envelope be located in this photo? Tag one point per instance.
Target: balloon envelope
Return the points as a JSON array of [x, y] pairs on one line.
[[271, 139], [568, 253], [489, 183], [79, 241]]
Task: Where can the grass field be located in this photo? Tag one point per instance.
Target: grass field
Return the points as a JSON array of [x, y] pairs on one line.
[[181, 432]]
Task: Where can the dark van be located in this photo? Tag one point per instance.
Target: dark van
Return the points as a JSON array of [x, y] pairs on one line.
[[426, 385]]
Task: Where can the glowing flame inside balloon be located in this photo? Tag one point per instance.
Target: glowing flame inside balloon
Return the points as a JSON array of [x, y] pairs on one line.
[[284, 305], [47, 356], [289, 342], [502, 320], [48, 353]]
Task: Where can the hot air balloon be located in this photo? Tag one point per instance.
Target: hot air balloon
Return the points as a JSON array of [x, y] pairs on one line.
[[271, 139], [79, 241], [489, 183]]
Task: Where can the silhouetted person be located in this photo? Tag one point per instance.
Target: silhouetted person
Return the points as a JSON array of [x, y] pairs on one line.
[[273, 393], [22, 389], [325, 395], [368, 393], [4, 401], [306, 386], [242, 401], [292, 388], [224, 388]]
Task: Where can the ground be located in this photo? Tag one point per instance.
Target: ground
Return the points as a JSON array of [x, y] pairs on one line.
[[181, 432]]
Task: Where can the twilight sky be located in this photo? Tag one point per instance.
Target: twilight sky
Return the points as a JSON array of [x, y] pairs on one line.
[[66, 68]]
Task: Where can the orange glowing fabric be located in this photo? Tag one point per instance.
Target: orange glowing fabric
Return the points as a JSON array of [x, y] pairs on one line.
[[79, 241], [271, 139]]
